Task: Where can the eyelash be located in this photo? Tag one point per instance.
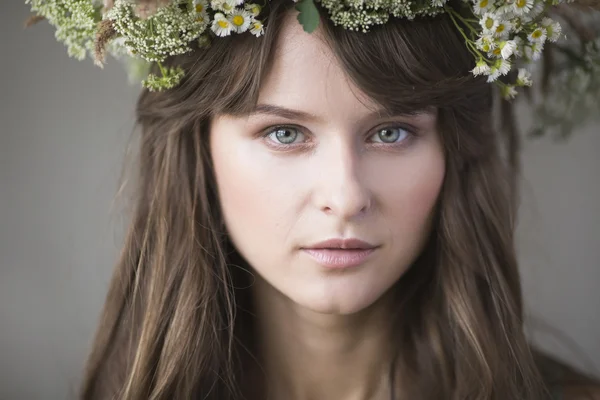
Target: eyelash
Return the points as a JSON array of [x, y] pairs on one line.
[[412, 134]]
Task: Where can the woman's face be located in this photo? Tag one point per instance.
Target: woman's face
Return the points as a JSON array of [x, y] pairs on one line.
[[316, 161]]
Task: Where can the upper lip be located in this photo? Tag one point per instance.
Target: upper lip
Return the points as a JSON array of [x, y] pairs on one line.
[[341, 244]]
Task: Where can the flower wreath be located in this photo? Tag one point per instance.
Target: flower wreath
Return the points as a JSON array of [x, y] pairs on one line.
[[502, 35]]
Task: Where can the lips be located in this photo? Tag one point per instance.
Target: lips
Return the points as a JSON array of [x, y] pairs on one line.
[[340, 253], [350, 244]]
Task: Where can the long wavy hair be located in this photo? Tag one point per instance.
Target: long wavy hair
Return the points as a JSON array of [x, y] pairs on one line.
[[178, 322]]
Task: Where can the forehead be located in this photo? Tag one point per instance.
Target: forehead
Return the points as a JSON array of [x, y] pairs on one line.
[[305, 74]]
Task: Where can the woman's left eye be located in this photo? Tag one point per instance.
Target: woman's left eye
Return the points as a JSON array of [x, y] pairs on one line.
[[391, 135], [284, 135]]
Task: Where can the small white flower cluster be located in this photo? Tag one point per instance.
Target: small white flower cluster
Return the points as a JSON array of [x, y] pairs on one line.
[[167, 32], [172, 29], [360, 15], [505, 31], [74, 20], [169, 79]]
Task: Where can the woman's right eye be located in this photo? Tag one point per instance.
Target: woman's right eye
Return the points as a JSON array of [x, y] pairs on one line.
[[284, 135]]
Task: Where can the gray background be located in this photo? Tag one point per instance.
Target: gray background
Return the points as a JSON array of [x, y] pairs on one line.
[[63, 133]]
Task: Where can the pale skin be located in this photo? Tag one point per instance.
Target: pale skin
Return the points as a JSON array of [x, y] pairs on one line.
[[344, 170]]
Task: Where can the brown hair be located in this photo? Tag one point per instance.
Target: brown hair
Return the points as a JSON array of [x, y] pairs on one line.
[[177, 320]]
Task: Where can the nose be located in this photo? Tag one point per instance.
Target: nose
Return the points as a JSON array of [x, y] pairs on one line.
[[342, 190]]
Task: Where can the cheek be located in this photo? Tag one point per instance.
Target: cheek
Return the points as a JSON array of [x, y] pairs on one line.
[[257, 202], [250, 206], [415, 197], [408, 204]]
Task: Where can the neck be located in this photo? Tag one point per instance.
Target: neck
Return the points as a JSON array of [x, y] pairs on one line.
[[308, 356]]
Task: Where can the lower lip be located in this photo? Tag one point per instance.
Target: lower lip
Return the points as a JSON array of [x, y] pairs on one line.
[[339, 258]]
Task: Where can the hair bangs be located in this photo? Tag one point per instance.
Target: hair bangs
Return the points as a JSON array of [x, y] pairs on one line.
[[408, 66]]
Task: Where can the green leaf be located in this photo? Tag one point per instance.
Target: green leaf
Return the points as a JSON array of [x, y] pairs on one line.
[[309, 15]]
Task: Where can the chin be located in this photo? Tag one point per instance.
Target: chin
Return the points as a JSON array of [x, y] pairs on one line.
[[336, 300]]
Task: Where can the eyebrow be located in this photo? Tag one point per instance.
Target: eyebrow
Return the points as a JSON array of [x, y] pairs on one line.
[[288, 113]]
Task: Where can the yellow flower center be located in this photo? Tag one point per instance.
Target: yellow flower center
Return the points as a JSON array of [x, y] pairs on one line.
[[489, 23], [256, 9], [486, 47], [226, 7], [521, 3], [501, 28], [497, 51], [223, 23], [238, 20], [199, 8], [483, 3], [536, 34]]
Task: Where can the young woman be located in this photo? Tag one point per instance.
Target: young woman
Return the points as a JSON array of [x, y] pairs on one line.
[[319, 216]]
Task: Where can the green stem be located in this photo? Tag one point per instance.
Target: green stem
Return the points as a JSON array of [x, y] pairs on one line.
[[472, 49], [454, 14], [163, 71]]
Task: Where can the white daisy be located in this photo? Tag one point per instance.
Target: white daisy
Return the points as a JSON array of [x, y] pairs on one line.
[[489, 22], [517, 24], [503, 66], [509, 92], [522, 7], [221, 26], [482, 6], [553, 29], [506, 11], [486, 43], [538, 35], [240, 19], [203, 18], [493, 75], [257, 28], [520, 46], [226, 6], [481, 68], [533, 51], [503, 29], [200, 6], [507, 49], [253, 9], [217, 4], [524, 77], [536, 10], [496, 53]]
